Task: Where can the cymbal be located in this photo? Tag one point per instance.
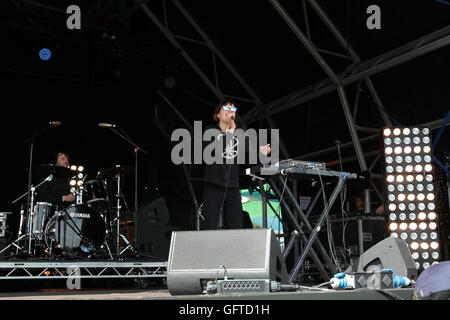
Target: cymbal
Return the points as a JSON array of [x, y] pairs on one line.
[[117, 169], [57, 171]]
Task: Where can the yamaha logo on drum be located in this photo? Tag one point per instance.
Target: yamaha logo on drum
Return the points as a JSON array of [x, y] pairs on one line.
[[80, 215]]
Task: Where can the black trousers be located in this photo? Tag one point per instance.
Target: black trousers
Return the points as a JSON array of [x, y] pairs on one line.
[[213, 196]]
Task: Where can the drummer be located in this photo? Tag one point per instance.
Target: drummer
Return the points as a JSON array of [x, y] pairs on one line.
[[57, 190]]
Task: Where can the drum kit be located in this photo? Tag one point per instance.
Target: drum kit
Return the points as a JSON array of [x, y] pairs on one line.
[[87, 228]]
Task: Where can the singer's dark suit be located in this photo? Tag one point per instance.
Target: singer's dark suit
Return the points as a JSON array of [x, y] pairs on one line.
[[222, 187]]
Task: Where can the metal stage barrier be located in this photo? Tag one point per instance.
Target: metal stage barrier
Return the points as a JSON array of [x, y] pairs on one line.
[[27, 270]]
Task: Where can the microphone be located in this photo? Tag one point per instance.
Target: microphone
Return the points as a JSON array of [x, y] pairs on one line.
[[106, 125], [49, 178], [54, 123]]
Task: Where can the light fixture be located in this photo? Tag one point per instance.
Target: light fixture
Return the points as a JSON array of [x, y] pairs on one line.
[[411, 196]]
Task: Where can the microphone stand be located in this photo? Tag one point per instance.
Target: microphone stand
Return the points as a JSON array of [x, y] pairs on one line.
[[30, 140], [136, 149]]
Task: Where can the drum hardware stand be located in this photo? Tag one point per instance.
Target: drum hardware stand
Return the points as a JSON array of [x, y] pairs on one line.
[[120, 132], [30, 217], [120, 196]]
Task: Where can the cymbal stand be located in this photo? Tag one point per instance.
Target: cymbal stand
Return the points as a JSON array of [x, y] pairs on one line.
[[119, 196]]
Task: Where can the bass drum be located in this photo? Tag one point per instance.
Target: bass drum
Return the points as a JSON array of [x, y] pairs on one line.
[[78, 229]]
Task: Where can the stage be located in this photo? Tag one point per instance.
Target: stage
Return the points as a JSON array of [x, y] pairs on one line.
[[163, 294]]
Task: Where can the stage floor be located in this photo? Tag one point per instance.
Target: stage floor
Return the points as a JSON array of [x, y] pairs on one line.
[[163, 294]]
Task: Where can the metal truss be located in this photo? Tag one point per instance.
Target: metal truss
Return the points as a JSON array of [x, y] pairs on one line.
[[83, 270]]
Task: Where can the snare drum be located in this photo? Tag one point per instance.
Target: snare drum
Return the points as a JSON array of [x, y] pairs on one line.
[[78, 228], [41, 213], [96, 195]]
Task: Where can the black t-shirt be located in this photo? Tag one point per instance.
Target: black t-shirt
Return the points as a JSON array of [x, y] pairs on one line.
[[53, 191], [227, 173]]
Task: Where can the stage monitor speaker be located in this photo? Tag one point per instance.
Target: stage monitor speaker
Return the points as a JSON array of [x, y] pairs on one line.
[[391, 253], [196, 257]]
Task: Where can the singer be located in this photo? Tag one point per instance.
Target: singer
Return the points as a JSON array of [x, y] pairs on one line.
[[57, 191], [221, 194]]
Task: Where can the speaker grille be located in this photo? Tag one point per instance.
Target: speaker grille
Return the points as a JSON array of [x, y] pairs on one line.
[[235, 249]]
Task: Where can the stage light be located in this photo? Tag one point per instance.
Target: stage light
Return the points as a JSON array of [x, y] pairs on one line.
[[394, 235], [434, 245], [426, 265], [73, 190], [80, 168], [435, 255], [415, 255], [417, 265], [80, 176], [424, 245], [79, 183], [73, 182], [411, 191], [73, 168]]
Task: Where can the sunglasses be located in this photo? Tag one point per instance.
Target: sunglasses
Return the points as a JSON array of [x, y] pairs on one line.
[[226, 108]]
